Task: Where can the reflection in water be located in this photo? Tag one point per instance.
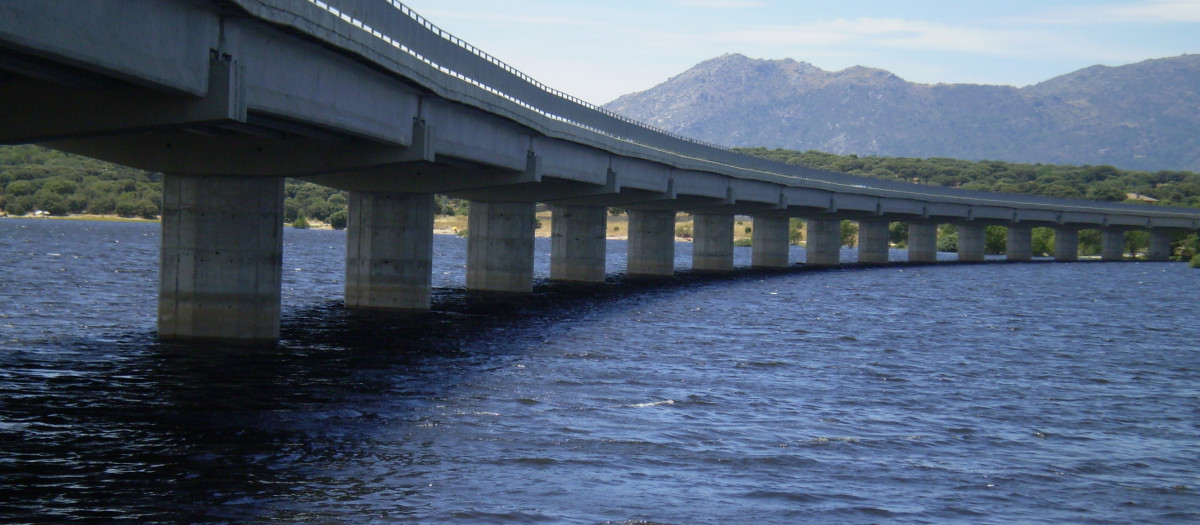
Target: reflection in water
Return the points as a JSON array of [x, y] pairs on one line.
[[914, 394]]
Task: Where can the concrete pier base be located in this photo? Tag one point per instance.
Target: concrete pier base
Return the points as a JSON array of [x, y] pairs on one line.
[[1160, 246], [972, 242], [221, 260], [577, 243], [500, 246], [873, 242], [1112, 245], [769, 247], [712, 243], [922, 242], [651, 243], [1020, 244], [824, 247], [1066, 244], [389, 251]]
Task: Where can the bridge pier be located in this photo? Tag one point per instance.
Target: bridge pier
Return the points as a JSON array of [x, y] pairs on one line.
[[651, 243], [873, 242], [1160, 246], [824, 247], [1112, 245], [221, 261], [712, 243], [389, 251], [577, 243], [769, 246], [922, 242], [1020, 244], [972, 243], [500, 246], [1066, 244]]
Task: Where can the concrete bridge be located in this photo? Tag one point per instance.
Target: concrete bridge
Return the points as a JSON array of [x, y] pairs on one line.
[[228, 97]]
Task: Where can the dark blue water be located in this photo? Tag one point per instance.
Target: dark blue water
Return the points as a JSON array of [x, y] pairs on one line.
[[996, 393]]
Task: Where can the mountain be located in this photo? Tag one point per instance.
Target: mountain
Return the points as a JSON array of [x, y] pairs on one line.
[[1143, 116]]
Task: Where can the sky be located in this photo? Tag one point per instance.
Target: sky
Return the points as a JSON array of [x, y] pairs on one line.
[[598, 50]]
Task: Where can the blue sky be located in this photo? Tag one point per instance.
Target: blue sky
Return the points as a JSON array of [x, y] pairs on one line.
[[599, 50]]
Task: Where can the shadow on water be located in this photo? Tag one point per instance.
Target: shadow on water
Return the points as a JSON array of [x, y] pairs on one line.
[[124, 427]]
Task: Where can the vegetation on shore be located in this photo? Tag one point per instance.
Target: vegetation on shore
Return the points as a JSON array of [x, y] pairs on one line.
[[33, 178]]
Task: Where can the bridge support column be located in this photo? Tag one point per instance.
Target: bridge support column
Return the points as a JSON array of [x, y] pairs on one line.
[[972, 242], [500, 246], [1112, 245], [1020, 244], [712, 244], [1066, 244], [922, 242], [873, 242], [769, 247], [389, 251], [824, 247], [651, 243], [577, 243], [1160, 246], [221, 261]]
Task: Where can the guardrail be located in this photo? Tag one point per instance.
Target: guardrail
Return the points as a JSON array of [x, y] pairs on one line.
[[397, 27]]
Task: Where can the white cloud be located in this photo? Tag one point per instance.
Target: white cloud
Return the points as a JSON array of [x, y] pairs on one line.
[[719, 4], [1143, 12]]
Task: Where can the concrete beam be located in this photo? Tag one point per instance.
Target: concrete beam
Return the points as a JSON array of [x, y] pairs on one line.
[[824, 246], [651, 243], [971, 243], [577, 243], [712, 243], [1112, 245], [1160, 246], [922, 242], [873, 242], [221, 261], [770, 243], [389, 251], [1019, 246], [1066, 244], [500, 246]]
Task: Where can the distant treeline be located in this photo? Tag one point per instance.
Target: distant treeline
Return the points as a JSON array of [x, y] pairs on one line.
[[1106, 183], [34, 179]]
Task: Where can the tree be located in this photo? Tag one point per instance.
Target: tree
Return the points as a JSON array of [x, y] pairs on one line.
[[898, 233], [995, 240], [338, 220], [849, 234], [1043, 242], [1136, 241]]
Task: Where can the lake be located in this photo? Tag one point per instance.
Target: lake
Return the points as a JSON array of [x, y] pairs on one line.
[[988, 393]]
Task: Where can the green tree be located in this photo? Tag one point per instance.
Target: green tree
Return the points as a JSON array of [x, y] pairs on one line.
[[849, 234], [995, 240], [1043, 242], [1136, 241], [338, 220]]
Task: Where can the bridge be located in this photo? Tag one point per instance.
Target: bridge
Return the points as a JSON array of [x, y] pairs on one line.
[[228, 97]]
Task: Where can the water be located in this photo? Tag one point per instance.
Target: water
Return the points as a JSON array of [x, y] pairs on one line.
[[998, 393]]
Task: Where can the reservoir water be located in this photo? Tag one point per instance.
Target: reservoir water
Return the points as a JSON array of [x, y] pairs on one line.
[[993, 393]]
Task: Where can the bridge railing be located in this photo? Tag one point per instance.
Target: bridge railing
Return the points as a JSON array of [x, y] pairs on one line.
[[395, 25]]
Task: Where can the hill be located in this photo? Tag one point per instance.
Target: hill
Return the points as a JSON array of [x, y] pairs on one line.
[[1144, 116]]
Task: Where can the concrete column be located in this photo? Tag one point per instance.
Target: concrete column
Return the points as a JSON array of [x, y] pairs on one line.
[[873, 242], [1160, 246], [500, 246], [651, 243], [1020, 244], [1066, 244], [221, 260], [972, 243], [922, 242], [389, 251], [577, 243], [824, 247], [712, 243], [1112, 245], [769, 246]]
